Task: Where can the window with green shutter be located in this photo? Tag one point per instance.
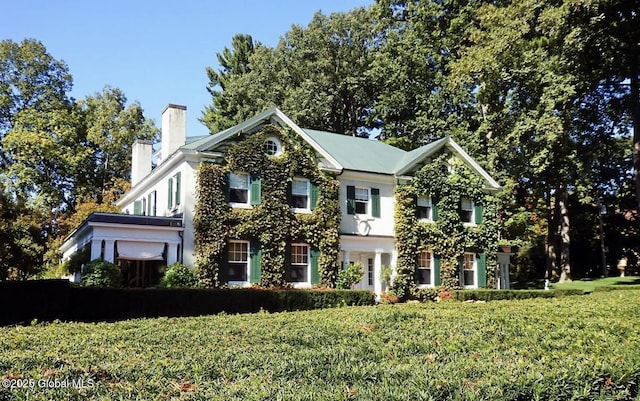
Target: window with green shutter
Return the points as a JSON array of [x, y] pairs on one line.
[[481, 265], [137, 207], [255, 269], [255, 183], [170, 194], [434, 210], [315, 273], [351, 199], [177, 179], [313, 196], [375, 202], [437, 271], [478, 214]]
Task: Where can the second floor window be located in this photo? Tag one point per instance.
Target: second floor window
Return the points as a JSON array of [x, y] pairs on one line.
[[239, 188], [362, 200], [466, 210], [300, 193], [424, 208]]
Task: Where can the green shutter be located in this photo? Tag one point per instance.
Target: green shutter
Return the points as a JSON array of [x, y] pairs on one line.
[[137, 208], [227, 187], [461, 271], [170, 194], [178, 179], [315, 273], [478, 213], [375, 202], [313, 196], [434, 209], [437, 280], [481, 263], [255, 191], [149, 205], [351, 199], [255, 271]]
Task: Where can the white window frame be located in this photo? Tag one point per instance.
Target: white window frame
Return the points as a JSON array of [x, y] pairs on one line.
[[244, 205], [247, 262], [473, 212], [367, 211], [174, 191], [472, 256], [306, 283], [430, 267], [425, 201], [308, 195], [278, 150]]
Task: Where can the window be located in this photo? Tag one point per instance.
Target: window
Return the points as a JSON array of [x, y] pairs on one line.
[[466, 210], [299, 268], [272, 147], [370, 271], [151, 203], [300, 193], [173, 195], [362, 200], [239, 188], [424, 208], [469, 269], [425, 268], [238, 257]]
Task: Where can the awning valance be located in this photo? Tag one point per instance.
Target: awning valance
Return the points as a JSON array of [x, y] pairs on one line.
[[134, 250]]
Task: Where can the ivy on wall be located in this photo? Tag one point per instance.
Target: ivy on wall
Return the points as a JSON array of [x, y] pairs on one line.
[[446, 181], [271, 223]]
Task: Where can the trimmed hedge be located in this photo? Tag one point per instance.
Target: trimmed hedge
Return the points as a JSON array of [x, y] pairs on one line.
[[494, 295], [606, 288], [48, 300]]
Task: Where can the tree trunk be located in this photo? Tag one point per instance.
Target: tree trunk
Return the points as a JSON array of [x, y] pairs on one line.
[[552, 230], [565, 237], [635, 116]]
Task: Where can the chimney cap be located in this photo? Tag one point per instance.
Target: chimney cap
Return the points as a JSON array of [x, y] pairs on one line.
[[174, 106]]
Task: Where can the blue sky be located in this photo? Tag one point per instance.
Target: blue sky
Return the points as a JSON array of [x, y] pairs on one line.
[[155, 51]]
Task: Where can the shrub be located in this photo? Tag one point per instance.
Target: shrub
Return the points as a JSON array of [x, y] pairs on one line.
[[100, 273], [350, 276], [389, 297], [493, 295], [178, 275], [425, 294]]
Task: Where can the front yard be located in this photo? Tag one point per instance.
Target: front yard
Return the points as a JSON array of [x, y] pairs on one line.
[[580, 347]]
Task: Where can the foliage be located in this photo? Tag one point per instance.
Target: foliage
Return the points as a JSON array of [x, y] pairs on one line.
[[178, 275], [272, 223], [350, 275], [318, 75], [504, 350], [100, 273], [494, 295], [447, 237]]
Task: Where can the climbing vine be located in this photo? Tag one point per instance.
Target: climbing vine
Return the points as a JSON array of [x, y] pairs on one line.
[[446, 181], [272, 223]]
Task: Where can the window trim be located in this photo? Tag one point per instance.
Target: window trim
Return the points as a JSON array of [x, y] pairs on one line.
[[247, 263], [431, 267], [306, 283], [277, 142], [174, 189], [244, 205], [367, 204], [475, 270], [308, 194]]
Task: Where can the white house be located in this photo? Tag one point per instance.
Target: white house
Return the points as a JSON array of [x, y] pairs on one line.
[[157, 222]]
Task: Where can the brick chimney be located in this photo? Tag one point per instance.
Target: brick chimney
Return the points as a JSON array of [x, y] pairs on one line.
[[174, 129], [140, 160]]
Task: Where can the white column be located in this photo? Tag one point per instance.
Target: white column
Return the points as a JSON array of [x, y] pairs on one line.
[[108, 250], [172, 253], [377, 270], [345, 259], [394, 261], [96, 248]]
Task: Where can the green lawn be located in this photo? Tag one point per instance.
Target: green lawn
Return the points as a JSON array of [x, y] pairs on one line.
[[589, 285], [580, 347]]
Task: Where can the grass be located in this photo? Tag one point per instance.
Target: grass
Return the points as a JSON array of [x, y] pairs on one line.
[[590, 285], [582, 348]]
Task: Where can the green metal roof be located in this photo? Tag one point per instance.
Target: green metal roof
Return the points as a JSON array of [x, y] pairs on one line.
[[359, 154]]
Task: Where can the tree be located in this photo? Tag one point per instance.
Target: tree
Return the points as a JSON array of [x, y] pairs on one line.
[[317, 74]]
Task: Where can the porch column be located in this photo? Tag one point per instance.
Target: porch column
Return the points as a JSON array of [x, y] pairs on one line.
[[96, 248], [108, 250], [172, 253], [394, 261], [377, 270], [345, 258]]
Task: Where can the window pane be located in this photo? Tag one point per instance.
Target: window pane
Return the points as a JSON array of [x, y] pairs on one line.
[[424, 213], [299, 187], [424, 201], [468, 277], [361, 207], [299, 202], [362, 194], [424, 261], [236, 272], [466, 204], [424, 276], [238, 252], [238, 195], [239, 181]]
